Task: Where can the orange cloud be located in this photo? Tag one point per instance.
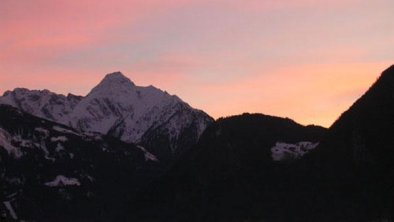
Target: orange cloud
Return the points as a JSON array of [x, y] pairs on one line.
[[34, 30]]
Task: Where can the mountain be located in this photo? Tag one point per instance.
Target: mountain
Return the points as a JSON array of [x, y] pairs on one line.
[[363, 133], [242, 170], [148, 116], [41, 103], [49, 171], [356, 159], [250, 167], [234, 171]]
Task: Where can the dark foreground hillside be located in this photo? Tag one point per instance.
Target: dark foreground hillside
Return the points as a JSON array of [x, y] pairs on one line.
[[355, 162], [50, 172], [230, 176]]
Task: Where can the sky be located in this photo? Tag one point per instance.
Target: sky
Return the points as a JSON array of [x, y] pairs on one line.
[[302, 59]]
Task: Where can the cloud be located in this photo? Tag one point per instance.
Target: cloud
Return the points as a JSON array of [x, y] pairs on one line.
[[38, 30]]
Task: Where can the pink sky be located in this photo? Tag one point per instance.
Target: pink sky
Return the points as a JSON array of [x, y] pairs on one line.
[[303, 59]]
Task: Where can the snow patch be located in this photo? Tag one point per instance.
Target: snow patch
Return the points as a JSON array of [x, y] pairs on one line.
[[5, 142], [43, 147], [93, 136], [14, 180], [288, 151], [64, 130], [62, 181], [59, 139], [10, 209], [43, 131], [148, 156], [20, 142], [59, 147]]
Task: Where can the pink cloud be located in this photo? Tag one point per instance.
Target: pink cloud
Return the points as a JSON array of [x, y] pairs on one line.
[[223, 56], [34, 30]]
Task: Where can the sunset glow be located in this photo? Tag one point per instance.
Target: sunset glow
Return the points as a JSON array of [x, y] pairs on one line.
[[302, 59]]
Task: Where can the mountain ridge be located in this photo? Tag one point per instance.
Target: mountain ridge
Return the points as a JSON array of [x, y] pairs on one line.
[[249, 167], [348, 176], [119, 107]]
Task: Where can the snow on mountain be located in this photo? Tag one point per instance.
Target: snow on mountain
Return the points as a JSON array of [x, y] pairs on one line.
[[46, 166], [286, 151], [10, 209], [118, 107], [61, 181], [148, 156], [41, 103], [117, 103], [6, 143]]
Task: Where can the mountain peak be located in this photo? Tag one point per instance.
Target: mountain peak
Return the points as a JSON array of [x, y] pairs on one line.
[[116, 77], [389, 71], [114, 82]]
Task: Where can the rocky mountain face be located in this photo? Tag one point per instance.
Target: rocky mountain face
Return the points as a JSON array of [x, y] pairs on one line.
[[49, 171], [145, 115]]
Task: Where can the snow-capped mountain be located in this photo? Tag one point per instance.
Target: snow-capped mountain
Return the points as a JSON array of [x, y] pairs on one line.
[[49, 171], [118, 107], [250, 167], [41, 103]]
